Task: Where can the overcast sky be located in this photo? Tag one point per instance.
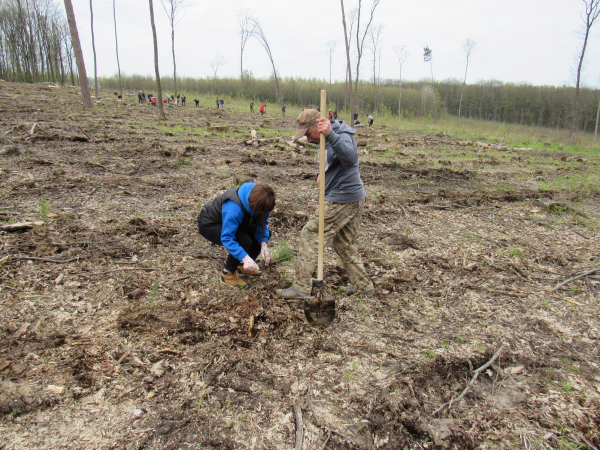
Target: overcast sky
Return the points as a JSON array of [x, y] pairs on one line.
[[533, 41]]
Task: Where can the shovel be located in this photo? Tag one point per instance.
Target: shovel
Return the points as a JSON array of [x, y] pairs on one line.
[[318, 311]]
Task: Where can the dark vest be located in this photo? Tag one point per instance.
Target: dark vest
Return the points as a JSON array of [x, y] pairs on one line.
[[212, 212]]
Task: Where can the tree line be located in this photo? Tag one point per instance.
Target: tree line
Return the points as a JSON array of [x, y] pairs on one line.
[[525, 104], [35, 44]]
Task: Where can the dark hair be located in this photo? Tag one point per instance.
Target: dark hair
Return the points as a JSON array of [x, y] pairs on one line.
[[262, 201]]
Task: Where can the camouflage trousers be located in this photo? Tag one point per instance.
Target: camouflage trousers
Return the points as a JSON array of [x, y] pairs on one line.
[[342, 221]]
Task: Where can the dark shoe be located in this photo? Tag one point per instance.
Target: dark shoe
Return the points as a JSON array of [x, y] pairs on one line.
[[351, 290], [292, 293], [252, 273], [232, 279]]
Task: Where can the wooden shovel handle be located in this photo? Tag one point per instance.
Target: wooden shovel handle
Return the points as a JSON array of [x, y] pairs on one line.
[[322, 153]]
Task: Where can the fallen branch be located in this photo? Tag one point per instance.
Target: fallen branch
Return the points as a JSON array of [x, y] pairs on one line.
[[34, 258], [577, 277], [299, 425], [468, 387], [115, 270]]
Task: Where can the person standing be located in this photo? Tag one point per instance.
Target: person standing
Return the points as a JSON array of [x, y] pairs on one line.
[[222, 103], [283, 111], [335, 115], [344, 205], [370, 119], [217, 102], [183, 100], [238, 220], [251, 107]]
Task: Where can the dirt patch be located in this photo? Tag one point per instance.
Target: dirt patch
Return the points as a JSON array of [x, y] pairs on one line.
[[116, 332]]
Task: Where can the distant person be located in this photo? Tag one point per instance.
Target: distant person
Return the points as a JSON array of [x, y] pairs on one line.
[[238, 220], [150, 96], [143, 97], [217, 102], [262, 109], [165, 100], [222, 103], [283, 111], [140, 97], [197, 102], [120, 97], [251, 107], [356, 122], [153, 101], [370, 119], [330, 114], [335, 115], [168, 99], [183, 100]]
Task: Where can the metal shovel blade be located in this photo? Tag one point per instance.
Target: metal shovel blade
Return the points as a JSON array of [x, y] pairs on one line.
[[318, 311]]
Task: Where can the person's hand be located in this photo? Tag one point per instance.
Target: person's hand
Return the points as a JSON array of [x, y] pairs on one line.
[[324, 126], [264, 251], [249, 263]]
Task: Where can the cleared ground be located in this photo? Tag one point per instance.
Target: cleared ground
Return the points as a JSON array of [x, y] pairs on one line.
[[116, 332]]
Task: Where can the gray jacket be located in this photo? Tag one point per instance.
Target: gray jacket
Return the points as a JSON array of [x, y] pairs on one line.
[[342, 177]]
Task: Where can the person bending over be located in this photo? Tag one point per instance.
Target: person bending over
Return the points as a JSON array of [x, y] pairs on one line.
[[238, 220]]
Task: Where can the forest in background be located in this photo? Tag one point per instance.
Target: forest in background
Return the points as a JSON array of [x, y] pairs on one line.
[[546, 106], [35, 46]]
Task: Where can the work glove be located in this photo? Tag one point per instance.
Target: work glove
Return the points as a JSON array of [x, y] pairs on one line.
[[264, 251], [249, 263]]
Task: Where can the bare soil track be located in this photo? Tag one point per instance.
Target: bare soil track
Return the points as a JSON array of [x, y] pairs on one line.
[[115, 332]]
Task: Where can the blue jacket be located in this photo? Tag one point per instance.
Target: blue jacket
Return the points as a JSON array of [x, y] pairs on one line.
[[233, 216]]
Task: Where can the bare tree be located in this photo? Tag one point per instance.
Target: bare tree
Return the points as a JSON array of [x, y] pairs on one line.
[[260, 35], [174, 8], [402, 54], [94, 49], [375, 38], [469, 46], [245, 33], [428, 57], [161, 108], [347, 40], [360, 38], [592, 10], [117, 48], [215, 64], [331, 45], [83, 79]]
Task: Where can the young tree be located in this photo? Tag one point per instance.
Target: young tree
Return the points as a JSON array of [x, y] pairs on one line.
[[260, 35], [245, 33], [331, 45], [83, 79], [347, 40], [117, 48], [375, 38], [174, 8], [428, 57], [592, 10], [402, 54], [215, 64], [161, 108], [94, 49], [468, 47]]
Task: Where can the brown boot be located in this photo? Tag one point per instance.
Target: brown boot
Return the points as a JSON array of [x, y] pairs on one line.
[[252, 273], [232, 279]]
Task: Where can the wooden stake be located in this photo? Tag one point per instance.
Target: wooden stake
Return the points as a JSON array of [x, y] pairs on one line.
[[322, 155]]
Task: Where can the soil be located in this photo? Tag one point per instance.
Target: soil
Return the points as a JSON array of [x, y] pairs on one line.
[[116, 332]]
